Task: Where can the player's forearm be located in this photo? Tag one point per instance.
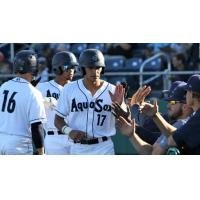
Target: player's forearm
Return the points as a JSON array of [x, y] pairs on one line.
[[157, 150], [140, 146], [163, 125], [59, 122], [37, 132]]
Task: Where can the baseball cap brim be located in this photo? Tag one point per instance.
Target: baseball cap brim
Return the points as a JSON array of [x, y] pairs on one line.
[[186, 87]]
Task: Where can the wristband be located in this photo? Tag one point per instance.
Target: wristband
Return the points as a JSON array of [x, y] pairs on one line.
[[66, 130]]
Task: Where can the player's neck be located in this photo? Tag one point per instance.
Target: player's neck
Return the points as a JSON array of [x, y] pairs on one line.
[[61, 81], [92, 86], [26, 76]]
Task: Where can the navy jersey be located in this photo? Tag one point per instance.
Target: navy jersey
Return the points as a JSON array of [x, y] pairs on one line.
[[187, 137]]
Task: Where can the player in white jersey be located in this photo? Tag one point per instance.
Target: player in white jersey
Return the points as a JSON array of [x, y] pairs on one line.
[[64, 64], [87, 104], [21, 109]]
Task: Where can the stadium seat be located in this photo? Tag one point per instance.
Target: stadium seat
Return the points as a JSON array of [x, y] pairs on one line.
[[99, 46], [115, 63], [60, 46], [77, 48], [154, 65], [133, 64], [116, 79]]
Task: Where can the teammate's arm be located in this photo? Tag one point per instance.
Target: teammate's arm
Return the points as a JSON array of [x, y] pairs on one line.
[[75, 135], [59, 122], [37, 132], [128, 129], [140, 145], [152, 111], [166, 128], [160, 146]]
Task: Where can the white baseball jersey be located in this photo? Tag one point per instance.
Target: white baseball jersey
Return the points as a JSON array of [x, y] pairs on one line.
[[91, 114], [50, 89], [87, 113], [20, 105], [54, 144]]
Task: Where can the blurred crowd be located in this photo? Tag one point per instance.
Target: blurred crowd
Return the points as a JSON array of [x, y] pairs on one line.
[[183, 56]]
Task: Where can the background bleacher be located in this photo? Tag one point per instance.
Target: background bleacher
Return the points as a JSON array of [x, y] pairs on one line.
[[123, 60]]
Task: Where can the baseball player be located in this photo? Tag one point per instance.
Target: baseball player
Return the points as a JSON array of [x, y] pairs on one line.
[[22, 110], [64, 63], [177, 110], [87, 104], [186, 138]]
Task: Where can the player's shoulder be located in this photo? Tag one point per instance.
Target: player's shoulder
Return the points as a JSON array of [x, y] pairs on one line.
[[14, 83], [71, 85], [5, 84], [43, 84], [34, 91], [110, 86]]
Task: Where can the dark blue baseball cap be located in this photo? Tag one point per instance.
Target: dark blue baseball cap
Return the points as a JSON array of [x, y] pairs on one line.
[[193, 83], [176, 92]]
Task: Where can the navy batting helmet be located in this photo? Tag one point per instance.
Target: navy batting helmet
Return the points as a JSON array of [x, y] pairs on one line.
[[62, 61], [91, 58], [25, 61]]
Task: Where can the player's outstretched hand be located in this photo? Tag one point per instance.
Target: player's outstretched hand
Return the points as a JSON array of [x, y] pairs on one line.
[[77, 135], [140, 95], [125, 127], [118, 95], [149, 109], [117, 111]]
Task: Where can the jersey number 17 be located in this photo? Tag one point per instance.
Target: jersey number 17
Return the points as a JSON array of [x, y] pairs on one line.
[[101, 119]]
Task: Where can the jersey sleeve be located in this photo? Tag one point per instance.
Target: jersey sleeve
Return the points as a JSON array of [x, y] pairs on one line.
[[188, 134], [37, 110], [40, 88]]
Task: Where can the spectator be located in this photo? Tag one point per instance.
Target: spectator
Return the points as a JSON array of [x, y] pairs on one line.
[[2, 57], [179, 64], [125, 49]]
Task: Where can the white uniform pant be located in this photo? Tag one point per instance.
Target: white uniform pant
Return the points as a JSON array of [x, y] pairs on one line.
[[57, 145], [15, 145], [102, 148]]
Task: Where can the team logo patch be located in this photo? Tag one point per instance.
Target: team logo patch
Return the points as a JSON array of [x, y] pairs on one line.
[[94, 58], [65, 67]]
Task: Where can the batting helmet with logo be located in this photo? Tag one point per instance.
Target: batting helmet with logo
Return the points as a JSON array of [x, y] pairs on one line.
[[91, 58], [25, 61], [62, 61]]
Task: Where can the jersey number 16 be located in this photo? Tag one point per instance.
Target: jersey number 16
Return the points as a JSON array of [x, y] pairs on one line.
[[11, 102]]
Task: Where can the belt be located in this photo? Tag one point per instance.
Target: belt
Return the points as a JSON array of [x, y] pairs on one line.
[[93, 141], [55, 133]]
